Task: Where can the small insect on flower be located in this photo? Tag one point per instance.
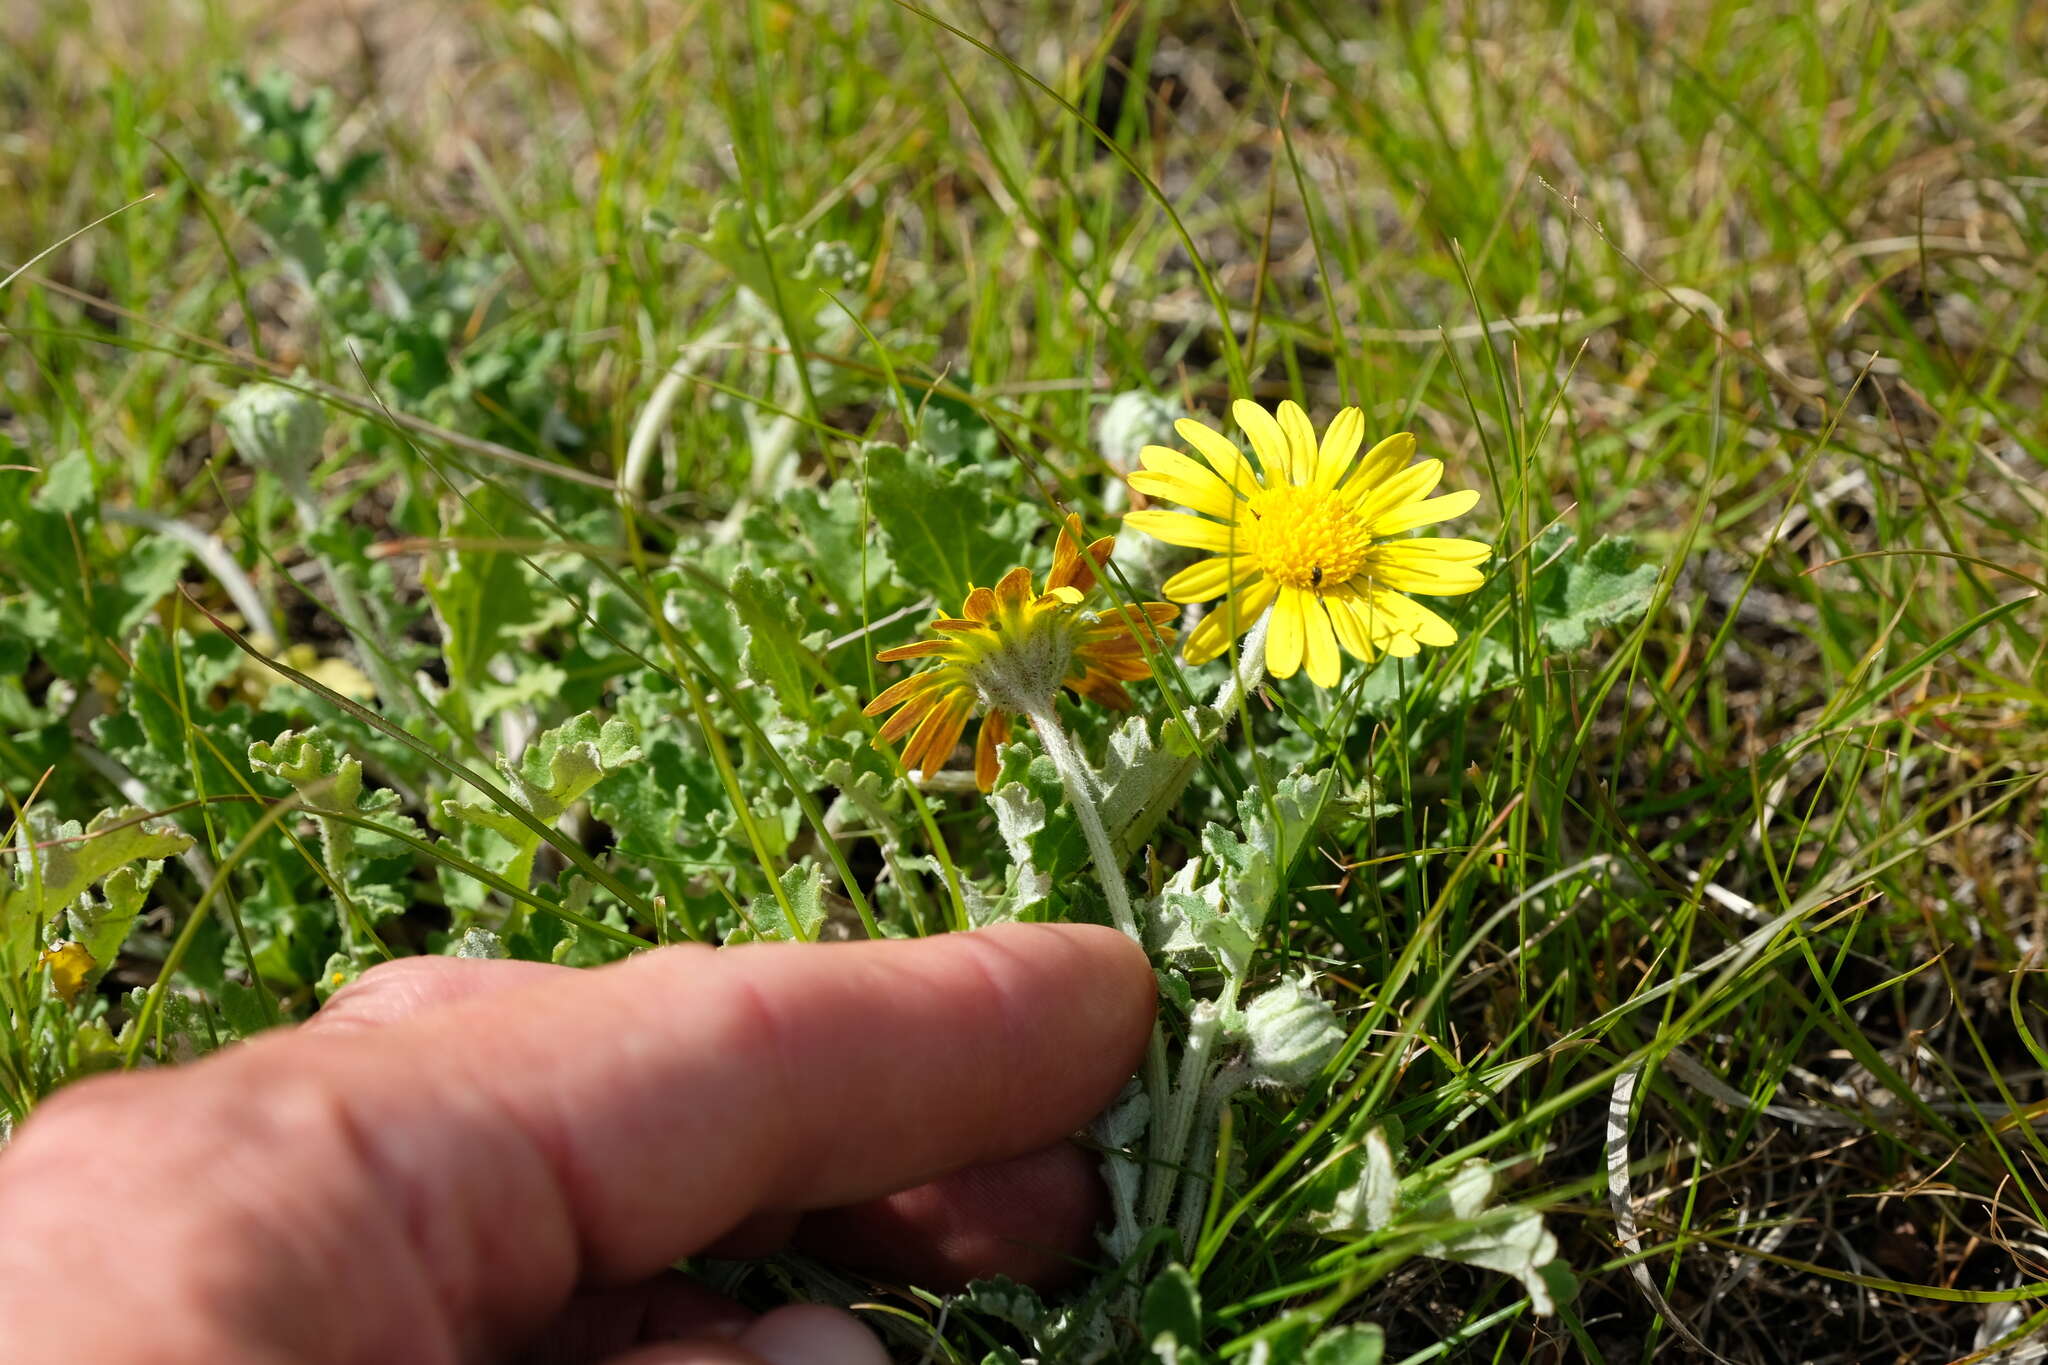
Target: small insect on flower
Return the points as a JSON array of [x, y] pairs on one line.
[[1009, 652], [1309, 533]]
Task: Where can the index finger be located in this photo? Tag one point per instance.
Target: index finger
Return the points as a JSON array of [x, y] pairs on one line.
[[674, 1094], [465, 1169]]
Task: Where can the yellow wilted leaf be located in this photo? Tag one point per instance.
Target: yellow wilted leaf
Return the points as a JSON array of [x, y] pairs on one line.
[[68, 964]]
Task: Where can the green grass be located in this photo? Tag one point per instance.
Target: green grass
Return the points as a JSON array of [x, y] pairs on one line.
[[1751, 878]]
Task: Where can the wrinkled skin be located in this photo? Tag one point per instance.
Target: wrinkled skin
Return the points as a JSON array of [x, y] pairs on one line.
[[484, 1161]]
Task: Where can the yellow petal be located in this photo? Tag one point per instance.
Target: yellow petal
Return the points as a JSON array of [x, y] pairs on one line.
[[1231, 617], [1177, 529], [1269, 443], [1212, 498], [1210, 578], [1319, 643], [1418, 620], [1348, 619], [1410, 485], [1301, 442], [1284, 637], [1449, 548], [1381, 462], [1380, 616], [1209, 492], [1222, 453], [1442, 566], [1427, 512], [1340, 443]]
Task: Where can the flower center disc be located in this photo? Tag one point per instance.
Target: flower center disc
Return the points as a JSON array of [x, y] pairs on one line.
[[1305, 538]]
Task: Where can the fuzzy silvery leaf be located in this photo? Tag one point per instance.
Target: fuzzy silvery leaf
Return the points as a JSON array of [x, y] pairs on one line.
[[942, 530], [835, 542], [66, 860], [478, 942], [1512, 1241], [803, 886], [536, 683], [1132, 768], [66, 489], [1358, 1343], [1200, 917], [1365, 1195], [1170, 1315], [776, 262], [1006, 1301], [564, 763], [1363, 1199], [955, 433], [330, 780], [103, 924], [1292, 1033], [1020, 818], [117, 850], [488, 600], [775, 653], [1601, 586], [556, 770], [1178, 908], [1226, 913], [1574, 591], [147, 730]]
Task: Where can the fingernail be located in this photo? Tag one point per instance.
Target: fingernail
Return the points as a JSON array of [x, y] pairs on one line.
[[812, 1334]]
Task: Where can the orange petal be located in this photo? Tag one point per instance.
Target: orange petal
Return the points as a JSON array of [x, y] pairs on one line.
[[1066, 553], [980, 605], [914, 710], [899, 692], [916, 649], [933, 743], [1100, 689], [1129, 667], [1014, 587], [995, 731]]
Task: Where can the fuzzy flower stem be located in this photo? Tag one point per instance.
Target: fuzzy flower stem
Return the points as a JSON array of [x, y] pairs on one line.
[[1174, 1121], [1251, 667], [1194, 1199], [1081, 790]]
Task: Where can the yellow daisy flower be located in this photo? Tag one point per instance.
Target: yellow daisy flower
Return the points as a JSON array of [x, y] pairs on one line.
[[1308, 533], [1009, 651]]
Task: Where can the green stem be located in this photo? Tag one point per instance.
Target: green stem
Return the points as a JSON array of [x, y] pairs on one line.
[[348, 603], [1152, 804]]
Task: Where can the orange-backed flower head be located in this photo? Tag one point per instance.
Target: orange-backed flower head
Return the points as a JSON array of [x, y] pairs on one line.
[[1009, 652], [1310, 533]]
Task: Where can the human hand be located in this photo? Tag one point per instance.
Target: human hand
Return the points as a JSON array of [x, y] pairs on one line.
[[465, 1160]]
